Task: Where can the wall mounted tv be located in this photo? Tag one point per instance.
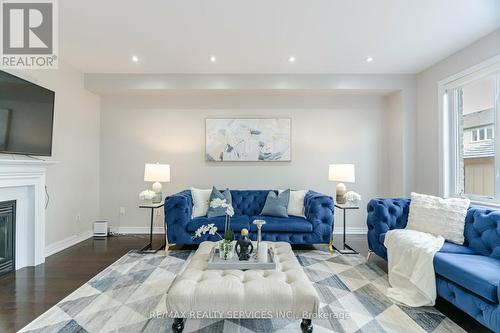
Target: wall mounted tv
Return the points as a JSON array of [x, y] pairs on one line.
[[26, 117]]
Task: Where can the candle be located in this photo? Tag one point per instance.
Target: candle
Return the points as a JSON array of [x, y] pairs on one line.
[[262, 255]]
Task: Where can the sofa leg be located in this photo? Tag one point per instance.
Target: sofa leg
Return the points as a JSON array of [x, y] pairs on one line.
[[370, 252], [178, 325], [330, 247], [306, 326]]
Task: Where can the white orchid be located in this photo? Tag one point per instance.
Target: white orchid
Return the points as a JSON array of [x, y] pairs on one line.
[[210, 228], [218, 202], [230, 210]]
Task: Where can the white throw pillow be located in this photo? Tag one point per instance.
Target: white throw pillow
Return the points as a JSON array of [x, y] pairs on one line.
[[200, 201], [296, 203], [438, 216]]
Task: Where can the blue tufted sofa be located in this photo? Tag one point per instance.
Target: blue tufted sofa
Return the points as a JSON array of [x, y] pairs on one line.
[[315, 228], [467, 275]]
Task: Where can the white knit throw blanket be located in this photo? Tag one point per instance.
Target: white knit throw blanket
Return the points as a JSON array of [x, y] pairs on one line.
[[411, 271]]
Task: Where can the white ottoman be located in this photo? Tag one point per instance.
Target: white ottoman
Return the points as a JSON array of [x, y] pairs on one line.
[[282, 293]]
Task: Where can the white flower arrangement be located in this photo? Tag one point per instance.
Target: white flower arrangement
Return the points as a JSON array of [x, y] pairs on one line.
[[217, 202], [210, 228], [353, 197], [147, 195]]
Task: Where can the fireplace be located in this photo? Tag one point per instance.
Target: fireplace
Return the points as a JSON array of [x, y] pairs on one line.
[[7, 236]]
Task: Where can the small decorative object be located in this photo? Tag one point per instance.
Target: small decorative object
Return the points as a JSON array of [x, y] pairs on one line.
[[226, 249], [240, 139], [226, 246], [352, 198], [245, 246], [262, 253], [216, 203], [259, 224], [157, 173], [147, 196], [341, 173]]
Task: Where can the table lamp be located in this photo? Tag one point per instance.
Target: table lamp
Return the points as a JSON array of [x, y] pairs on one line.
[[341, 173], [157, 173]]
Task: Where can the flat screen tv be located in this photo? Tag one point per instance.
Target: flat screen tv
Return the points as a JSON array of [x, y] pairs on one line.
[[26, 117]]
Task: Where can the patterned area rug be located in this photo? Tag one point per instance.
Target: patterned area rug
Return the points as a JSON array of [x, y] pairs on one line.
[[129, 296]]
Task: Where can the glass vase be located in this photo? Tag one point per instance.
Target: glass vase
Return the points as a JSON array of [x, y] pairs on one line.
[[226, 250]]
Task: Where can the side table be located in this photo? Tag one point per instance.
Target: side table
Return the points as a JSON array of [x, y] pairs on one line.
[[346, 249], [148, 248]]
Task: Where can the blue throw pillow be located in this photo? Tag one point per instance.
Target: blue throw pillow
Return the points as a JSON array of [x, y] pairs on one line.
[[276, 204], [219, 211]]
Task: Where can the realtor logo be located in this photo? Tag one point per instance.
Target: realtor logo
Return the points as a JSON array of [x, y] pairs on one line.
[[29, 34]]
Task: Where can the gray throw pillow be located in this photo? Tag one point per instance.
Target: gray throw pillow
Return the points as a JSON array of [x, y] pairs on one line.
[[276, 205], [219, 211]]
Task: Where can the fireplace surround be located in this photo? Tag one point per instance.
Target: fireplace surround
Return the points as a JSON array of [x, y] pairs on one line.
[[23, 181]]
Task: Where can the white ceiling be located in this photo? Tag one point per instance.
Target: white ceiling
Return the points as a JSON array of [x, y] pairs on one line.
[[258, 36]]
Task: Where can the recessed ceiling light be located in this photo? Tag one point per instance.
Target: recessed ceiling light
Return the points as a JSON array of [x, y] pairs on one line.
[[369, 59], [291, 59], [135, 59], [213, 59]]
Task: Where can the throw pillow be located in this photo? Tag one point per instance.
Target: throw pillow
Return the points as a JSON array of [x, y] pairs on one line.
[[200, 201], [216, 194], [276, 204], [438, 216], [296, 203]]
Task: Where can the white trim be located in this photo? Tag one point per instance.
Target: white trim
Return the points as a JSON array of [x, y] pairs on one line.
[[338, 230], [443, 123], [67, 242], [27, 176], [140, 230]]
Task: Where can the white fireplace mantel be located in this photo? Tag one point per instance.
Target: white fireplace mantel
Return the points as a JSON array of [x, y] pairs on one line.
[[23, 180]]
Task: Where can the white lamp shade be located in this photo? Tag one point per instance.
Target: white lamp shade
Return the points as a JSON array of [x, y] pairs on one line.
[[155, 172], [341, 173]]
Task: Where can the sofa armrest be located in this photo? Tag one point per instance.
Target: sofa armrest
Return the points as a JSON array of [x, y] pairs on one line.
[[178, 210], [318, 209], [385, 215]]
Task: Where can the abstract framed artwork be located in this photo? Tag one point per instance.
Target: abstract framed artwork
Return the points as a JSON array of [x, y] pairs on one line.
[[247, 139]]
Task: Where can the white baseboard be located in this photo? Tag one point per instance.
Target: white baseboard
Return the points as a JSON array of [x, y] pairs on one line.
[[67, 242], [338, 230], [140, 230]]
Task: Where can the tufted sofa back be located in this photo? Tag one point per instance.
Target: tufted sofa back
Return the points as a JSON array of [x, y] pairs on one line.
[[482, 231], [248, 202]]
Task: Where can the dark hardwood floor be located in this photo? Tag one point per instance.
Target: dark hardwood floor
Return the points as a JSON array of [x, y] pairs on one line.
[[29, 292]]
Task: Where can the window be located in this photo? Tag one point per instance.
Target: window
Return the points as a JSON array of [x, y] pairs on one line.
[[482, 134], [472, 107]]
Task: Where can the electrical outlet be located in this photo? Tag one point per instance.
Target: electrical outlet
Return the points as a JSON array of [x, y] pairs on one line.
[[78, 217], [158, 212], [122, 210]]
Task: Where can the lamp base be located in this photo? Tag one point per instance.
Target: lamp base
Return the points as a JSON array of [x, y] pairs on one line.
[[340, 193], [157, 190]]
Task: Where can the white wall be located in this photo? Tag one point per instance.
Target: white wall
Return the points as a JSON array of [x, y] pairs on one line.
[[73, 182], [171, 129], [428, 111]]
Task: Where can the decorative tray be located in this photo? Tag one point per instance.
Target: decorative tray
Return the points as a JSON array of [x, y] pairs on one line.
[[216, 262]]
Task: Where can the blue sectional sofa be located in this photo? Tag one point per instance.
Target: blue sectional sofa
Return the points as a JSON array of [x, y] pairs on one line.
[[467, 275], [247, 204]]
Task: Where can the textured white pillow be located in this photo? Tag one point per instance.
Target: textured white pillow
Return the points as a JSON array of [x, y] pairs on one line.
[[296, 203], [438, 216], [200, 201]]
